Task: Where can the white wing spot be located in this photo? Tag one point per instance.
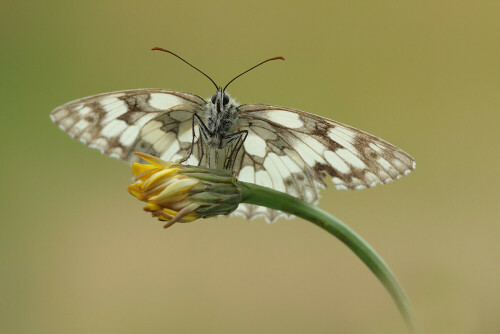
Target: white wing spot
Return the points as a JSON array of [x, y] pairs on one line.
[[180, 115], [264, 133], [163, 141], [285, 118], [67, 123], [342, 139], [86, 137], [177, 156], [100, 144], [84, 111], [57, 115], [114, 128], [115, 152], [110, 103], [153, 136], [387, 166], [149, 127], [309, 155], [371, 179], [262, 178], [129, 136], [78, 107], [164, 101], [185, 132], [339, 183], [347, 133], [114, 110], [247, 174], [336, 162], [403, 158], [312, 142], [357, 183], [80, 126], [171, 151], [383, 175], [399, 165], [145, 119], [192, 160], [255, 145], [350, 158], [279, 162], [275, 175], [290, 164], [296, 159]]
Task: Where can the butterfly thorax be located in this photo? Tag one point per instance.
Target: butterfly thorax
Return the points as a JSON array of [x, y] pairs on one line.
[[221, 119], [220, 133]]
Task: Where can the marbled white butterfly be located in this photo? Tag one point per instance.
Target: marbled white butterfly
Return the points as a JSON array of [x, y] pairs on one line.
[[282, 148]]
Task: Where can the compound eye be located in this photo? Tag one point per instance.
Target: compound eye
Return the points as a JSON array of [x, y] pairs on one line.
[[214, 98], [225, 99]]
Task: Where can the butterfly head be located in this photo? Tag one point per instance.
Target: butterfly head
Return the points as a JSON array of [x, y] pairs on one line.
[[221, 101]]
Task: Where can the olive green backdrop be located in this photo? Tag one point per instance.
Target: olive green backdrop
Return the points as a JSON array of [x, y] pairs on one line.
[[78, 255]]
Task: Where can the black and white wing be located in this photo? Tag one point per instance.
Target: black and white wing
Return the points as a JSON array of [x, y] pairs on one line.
[[153, 121], [293, 151]]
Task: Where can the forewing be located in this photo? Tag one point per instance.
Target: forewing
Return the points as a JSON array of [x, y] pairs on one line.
[[153, 121], [293, 151]]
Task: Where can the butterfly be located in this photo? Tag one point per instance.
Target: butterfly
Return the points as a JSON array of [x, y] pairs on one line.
[[282, 148]]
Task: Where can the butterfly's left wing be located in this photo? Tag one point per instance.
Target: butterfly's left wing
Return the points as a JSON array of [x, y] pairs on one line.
[[151, 120], [293, 151]]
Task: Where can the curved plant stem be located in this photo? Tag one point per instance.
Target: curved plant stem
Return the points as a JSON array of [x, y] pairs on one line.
[[254, 194]]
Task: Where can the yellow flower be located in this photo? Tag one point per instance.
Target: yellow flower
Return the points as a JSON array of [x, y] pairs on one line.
[[180, 193]]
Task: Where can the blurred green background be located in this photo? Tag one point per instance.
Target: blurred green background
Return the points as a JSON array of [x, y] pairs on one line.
[[78, 255]]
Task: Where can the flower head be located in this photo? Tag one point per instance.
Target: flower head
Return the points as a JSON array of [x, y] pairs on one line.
[[180, 193]]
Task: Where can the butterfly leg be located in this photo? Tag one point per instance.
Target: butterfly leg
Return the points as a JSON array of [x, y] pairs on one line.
[[238, 138], [192, 141], [237, 149], [201, 155], [203, 135]]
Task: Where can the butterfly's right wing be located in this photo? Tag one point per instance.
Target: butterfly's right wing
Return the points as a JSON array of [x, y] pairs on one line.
[[153, 121], [293, 151]]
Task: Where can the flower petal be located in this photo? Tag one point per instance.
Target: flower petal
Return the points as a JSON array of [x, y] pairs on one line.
[[139, 169], [175, 188], [153, 160], [186, 215], [153, 180]]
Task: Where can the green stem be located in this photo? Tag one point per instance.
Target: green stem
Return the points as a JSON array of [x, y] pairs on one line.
[[254, 194]]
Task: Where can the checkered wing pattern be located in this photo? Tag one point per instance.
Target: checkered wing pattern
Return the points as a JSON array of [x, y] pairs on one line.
[[153, 121], [293, 151]]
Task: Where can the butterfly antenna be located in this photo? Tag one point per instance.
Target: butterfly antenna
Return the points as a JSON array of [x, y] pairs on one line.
[[160, 49], [265, 61]]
